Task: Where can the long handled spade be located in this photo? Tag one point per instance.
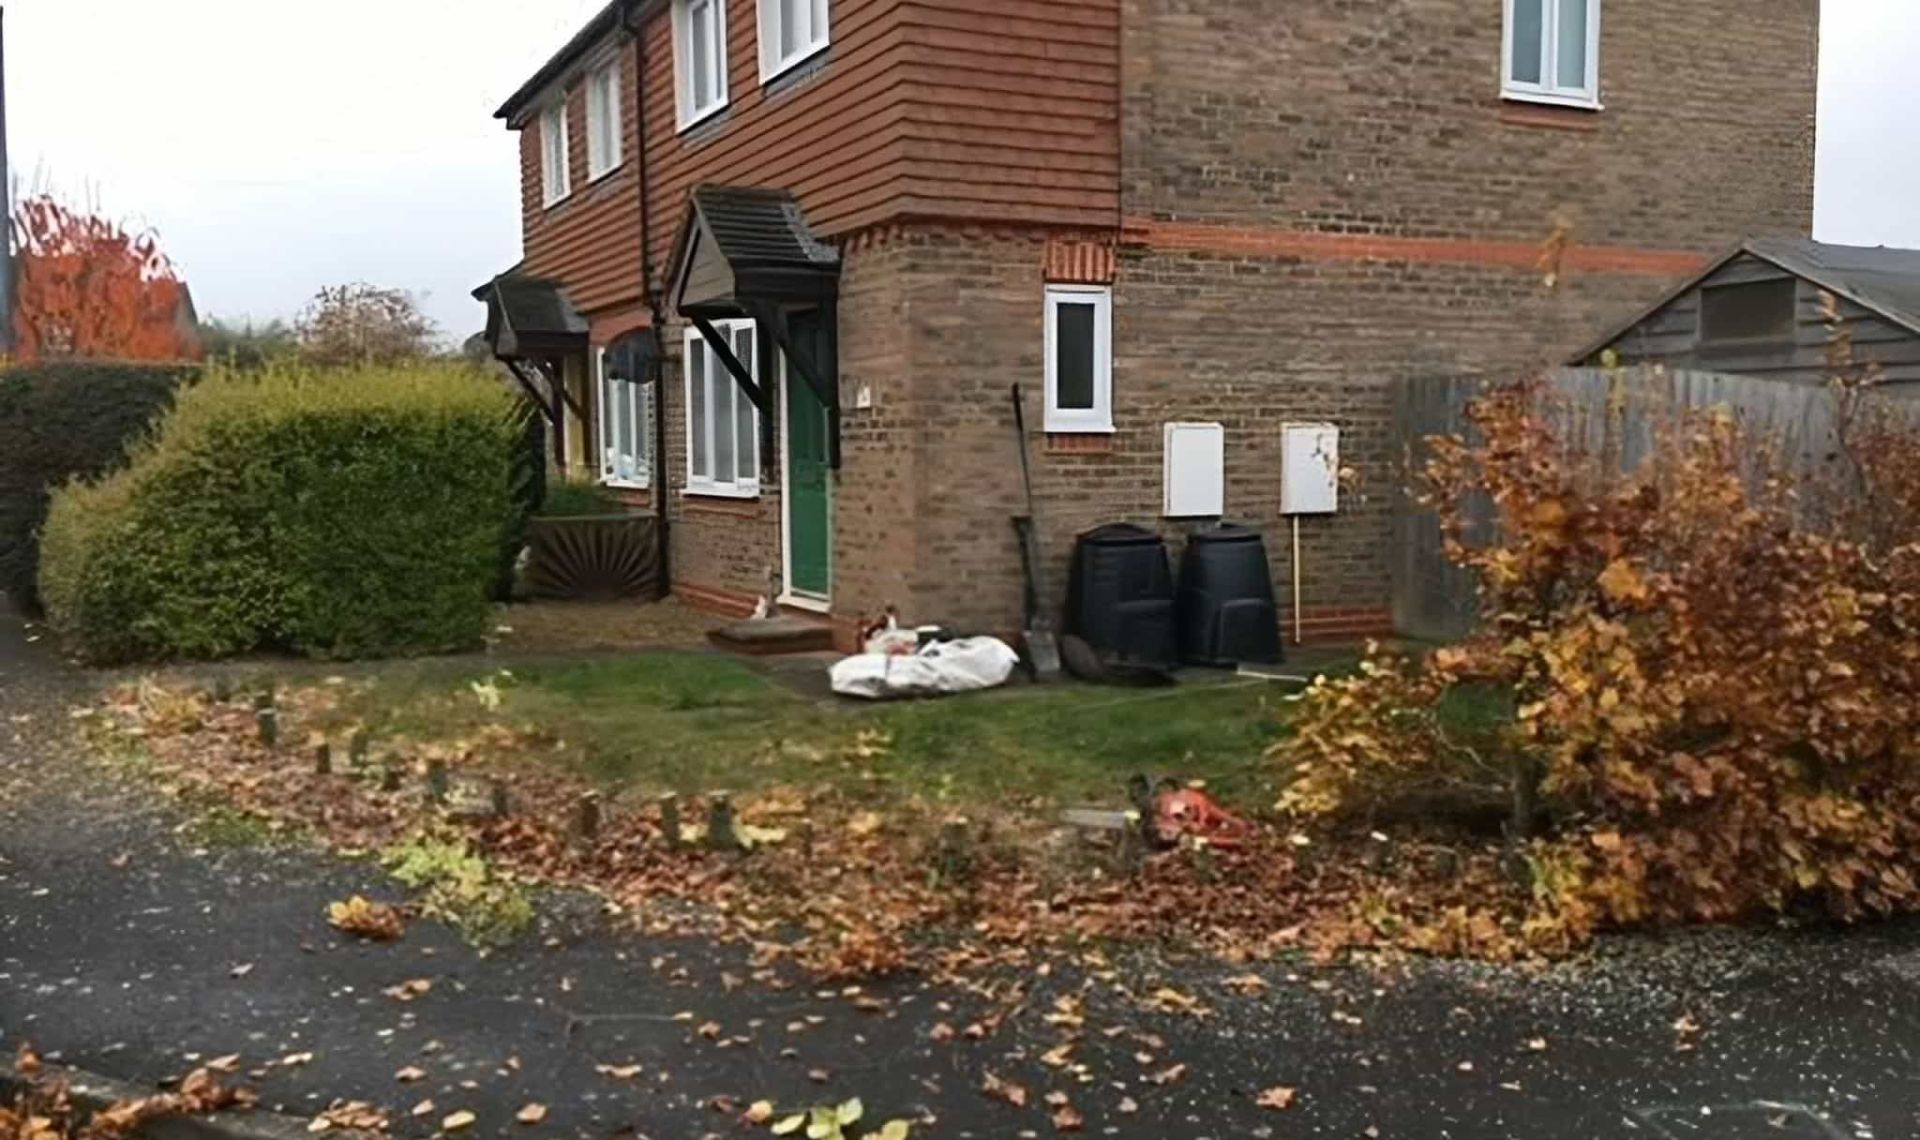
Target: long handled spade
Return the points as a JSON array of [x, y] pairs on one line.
[[1043, 648]]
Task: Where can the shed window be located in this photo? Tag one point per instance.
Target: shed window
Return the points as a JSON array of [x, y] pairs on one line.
[[603, 120], [699, 58], [1757, 310], [790, 31], [1552, 52], [723, 426], [554, 178], [626, 426], [1079, 358]]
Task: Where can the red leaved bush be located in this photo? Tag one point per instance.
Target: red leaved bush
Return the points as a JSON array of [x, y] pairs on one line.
[[86, 287], [1714, 667]]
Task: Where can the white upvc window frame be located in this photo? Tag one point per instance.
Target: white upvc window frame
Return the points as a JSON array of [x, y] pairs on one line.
[[604, 141], [746, 469], [612, 393], [1099, 418], [556, 169], [775, 60], [691, 107], [1551, 89]]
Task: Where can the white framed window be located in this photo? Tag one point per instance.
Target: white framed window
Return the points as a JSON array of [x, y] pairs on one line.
[[555, 179], [625, 413], [699, 58], [723, 426], [1551, 52], [603, 121], [790, 31], [1079, 358]]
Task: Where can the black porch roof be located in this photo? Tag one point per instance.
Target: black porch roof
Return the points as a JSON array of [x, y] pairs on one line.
[[742, 245], [530, 316]]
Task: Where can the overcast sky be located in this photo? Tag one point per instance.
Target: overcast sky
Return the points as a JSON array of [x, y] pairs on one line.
[[281, 145]]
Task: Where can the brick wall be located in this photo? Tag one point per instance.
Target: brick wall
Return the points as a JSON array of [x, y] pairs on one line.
[[1386, 118]]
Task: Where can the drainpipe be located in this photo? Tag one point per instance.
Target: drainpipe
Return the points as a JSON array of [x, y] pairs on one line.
[[6, 201], [657, 315]]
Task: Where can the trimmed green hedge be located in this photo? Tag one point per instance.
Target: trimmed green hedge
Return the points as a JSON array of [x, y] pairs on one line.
[[339, 513], [59, 421]]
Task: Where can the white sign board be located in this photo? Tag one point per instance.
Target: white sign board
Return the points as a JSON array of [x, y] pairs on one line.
[[1196, 470], [1309, 469]]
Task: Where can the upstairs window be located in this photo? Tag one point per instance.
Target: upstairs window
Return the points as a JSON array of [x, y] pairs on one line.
[[723, 426], [1079, 358], [555, 181], [1553, 52], [603, 120], [626, 428], [790, 31], [699, 58], [1754, 311]]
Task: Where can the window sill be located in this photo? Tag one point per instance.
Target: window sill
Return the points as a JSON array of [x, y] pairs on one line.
[[701, 118], [786, 66], [625, 484], [1549, 99], [555, 203], [1083, 428], [593, 179], [733, 493]]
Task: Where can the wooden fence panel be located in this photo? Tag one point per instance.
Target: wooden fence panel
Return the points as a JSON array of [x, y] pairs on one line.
[[1433, 599]]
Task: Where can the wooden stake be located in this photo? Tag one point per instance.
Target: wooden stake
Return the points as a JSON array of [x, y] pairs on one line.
[[323, 759], [498, 795], [357, 749], [721, 835], [586, 817], [437, 780], [268, 721], [670, 819]]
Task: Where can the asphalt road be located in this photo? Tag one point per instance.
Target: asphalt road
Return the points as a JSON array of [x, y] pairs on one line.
[[129, 953]]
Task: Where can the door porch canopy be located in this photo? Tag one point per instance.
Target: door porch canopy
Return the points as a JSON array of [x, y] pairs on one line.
[[531, 322], [748, 252]]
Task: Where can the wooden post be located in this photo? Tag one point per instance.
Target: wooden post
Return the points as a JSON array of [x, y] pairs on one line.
[[323, 759], [437, 780], [497, 794], [268, 721], [357, 749], [670, 819], [586, 818], [389, 775], [721, 835]]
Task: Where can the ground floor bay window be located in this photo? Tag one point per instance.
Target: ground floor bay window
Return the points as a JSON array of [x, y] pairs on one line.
[[723, 427]]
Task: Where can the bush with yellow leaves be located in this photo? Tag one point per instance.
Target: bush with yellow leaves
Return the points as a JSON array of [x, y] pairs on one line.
[[1714, 670]]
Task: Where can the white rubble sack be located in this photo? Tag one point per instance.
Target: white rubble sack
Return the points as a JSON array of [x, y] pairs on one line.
[[958, 666]]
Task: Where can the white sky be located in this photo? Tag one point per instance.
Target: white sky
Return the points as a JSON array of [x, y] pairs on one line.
[[281, 145]]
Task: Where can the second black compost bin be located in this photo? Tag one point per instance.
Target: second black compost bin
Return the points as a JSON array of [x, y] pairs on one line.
[[1120, 594], [1226, 611]]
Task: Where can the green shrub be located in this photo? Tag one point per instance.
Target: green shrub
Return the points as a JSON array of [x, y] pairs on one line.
[[573, 500], [59, 421], [332, 512]]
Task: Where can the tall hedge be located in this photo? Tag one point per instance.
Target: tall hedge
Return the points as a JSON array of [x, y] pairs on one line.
[[59, 421], [338, 513]]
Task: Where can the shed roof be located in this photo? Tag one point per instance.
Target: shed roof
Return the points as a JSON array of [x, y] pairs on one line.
[[1883, 279]]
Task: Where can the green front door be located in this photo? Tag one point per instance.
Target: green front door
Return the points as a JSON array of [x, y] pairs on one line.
[[808, 484]]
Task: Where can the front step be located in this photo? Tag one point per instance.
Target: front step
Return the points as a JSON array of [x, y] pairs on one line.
[[781, 633]]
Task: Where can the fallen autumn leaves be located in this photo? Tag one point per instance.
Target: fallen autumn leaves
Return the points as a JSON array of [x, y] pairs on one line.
[[846, 885]]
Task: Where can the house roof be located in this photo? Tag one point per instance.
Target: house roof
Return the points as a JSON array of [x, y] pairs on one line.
[[1883, 279], [529, 315], [751, 243], [603, 23]]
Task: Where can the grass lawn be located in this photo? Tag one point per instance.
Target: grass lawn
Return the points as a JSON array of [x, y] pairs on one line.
[[692, 722]]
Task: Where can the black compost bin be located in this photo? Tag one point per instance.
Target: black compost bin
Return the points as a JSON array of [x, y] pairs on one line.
[[1226, 610], [1120, 594]]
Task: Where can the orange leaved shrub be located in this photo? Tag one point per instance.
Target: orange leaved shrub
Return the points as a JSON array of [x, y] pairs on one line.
[[1713, 664]]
